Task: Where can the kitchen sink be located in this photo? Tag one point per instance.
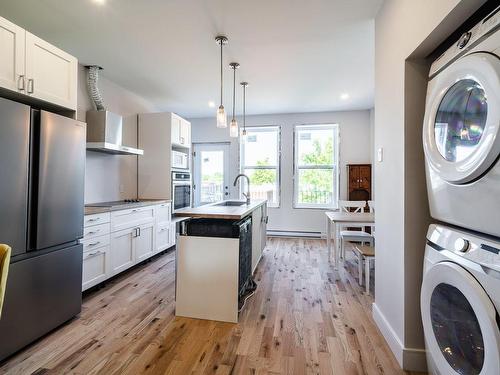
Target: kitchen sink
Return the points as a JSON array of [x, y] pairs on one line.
[[231, 203]]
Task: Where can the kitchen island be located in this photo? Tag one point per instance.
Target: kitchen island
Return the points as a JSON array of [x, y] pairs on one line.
[[218, 249]]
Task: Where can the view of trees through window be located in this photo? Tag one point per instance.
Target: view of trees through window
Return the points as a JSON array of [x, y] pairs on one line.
[[260, 162], [315, 166]]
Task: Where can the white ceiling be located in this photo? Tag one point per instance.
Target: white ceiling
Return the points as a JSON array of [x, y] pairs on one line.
[[298, 55]]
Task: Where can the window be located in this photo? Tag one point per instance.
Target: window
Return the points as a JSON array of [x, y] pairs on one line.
[[260, 161], [316, 166]]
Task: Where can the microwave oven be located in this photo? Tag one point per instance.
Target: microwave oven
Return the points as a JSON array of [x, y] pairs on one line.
[[180, 160]]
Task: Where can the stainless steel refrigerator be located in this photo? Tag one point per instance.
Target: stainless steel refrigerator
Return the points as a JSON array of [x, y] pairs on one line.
[[42, 169]]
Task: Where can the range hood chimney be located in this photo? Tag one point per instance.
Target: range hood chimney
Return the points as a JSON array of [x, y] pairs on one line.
[[104, 128]]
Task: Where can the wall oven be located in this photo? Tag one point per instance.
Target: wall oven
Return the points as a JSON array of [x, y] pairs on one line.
[[181, 190]]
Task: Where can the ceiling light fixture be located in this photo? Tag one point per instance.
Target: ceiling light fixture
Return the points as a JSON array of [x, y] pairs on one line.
[[221, 112], [233, 128], [244, 131], [344, 96]]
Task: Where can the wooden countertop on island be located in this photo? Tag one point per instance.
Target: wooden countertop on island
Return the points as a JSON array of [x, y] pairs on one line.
[[215, 211]]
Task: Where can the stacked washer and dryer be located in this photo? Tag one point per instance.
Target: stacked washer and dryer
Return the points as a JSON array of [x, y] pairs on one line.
[[460, 297]]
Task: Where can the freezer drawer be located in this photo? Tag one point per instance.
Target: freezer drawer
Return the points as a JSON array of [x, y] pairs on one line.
[[42, 293]]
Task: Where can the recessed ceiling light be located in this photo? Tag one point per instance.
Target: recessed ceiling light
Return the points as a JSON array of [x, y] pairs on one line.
[[344, 96], [211, 104], [100, 2]]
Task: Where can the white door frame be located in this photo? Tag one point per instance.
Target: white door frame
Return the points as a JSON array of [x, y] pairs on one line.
[[209, 146]]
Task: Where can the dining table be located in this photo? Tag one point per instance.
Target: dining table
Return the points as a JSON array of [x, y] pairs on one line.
[[336, 219]]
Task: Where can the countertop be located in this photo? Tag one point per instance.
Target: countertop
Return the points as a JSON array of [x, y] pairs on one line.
[[99, 208], [213, 211]]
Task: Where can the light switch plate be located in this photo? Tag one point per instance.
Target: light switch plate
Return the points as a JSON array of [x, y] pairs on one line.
[[380, 154]]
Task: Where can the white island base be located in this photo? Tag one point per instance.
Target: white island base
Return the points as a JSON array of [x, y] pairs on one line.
[[207, 278]]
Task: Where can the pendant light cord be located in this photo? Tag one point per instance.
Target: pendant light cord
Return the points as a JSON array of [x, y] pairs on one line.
[[244, 107], [234, 87], [221, 73]]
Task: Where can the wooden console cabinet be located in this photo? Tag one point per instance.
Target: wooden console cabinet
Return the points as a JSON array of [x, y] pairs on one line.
[[359, 180]]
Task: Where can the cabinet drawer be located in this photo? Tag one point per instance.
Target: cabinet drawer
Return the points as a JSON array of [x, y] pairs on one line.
[[131, 218], [96, 267], [95, 231], [163, 213], [96, 219], [95, 243]]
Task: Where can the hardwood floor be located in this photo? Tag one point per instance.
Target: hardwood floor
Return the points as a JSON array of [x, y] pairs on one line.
[[305, 318]]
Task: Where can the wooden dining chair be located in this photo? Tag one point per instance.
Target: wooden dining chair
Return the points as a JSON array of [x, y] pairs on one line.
[[4, 270], [353, 232], [365, 254]]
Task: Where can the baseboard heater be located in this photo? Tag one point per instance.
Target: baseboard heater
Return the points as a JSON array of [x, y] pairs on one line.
[[287, 233]]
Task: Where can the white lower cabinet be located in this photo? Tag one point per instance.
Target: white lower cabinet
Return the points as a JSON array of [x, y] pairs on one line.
[[96, 267], [163, 237], [122, 250], [116, 241], [144, 243]]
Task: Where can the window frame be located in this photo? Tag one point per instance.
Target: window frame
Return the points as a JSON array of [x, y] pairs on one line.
[[335, 166], [242, 167]]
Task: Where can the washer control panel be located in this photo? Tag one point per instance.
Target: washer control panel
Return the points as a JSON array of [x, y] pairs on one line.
[[479, 249], [467, 41]]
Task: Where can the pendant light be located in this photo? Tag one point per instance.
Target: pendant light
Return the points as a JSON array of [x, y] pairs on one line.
[[244, 131], [233, 128], [221, 112]]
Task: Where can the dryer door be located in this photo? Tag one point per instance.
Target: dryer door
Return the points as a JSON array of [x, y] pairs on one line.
[[459, 319], [461, 127]]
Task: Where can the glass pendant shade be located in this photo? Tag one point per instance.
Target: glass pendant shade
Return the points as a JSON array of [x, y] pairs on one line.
[[233, 129], [221, 117]]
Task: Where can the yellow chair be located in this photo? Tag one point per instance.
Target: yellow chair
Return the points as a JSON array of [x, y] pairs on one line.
[[4, 270]]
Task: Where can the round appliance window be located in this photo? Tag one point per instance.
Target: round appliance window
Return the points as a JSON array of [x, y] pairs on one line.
[[460, 120], [457, 330]]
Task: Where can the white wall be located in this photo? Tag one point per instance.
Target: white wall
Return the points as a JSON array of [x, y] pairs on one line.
[[404, 29], [355, 146], [112, 177]]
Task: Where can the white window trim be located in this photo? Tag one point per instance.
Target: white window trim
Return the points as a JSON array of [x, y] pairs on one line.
[[277, 167], [335, 166]]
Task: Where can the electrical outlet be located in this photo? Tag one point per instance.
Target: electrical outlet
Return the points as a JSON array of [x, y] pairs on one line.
[[380, 154]]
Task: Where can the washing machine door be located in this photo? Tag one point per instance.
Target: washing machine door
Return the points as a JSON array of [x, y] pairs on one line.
[[461, 127], [459, 319]]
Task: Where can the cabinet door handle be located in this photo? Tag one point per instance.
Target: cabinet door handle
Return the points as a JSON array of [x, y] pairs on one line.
[[94, 232], [182, 140], [93, 254], [139, 229], [94, 243], [21, 83], [96, 219], [31, 86], [135, 210]]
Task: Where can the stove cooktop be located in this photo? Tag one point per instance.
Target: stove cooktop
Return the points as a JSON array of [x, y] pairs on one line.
[[116, 203]]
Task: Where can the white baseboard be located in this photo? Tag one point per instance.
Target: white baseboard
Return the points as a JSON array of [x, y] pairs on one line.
[[410, 359], [285, 233]]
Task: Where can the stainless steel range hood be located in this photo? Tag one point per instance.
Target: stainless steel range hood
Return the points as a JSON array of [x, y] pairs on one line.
[[104, 134]]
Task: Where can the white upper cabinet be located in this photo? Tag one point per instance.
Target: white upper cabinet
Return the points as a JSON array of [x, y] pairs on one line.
[[51, 73], [12, 47], [181, 131], [176, 129], [34, 67]]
